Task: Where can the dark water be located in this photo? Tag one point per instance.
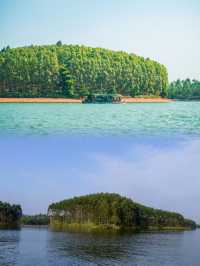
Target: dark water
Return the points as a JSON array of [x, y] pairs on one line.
[[40, 247]]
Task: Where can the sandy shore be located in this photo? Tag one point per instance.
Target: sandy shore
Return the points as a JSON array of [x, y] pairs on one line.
[[145, 100], [39, 100], [67, 100]]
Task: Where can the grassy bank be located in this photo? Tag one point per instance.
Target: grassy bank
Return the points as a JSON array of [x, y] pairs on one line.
[[111, 228]]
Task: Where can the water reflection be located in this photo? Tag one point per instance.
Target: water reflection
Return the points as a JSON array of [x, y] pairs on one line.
[[88, 247], [135, 249], [31, 247], [9, 247]]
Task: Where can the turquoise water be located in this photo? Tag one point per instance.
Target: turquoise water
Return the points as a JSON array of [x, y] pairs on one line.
[[31, 247], [181, 118]]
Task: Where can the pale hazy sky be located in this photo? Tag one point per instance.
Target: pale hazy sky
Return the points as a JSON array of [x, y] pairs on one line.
[[167, 31]]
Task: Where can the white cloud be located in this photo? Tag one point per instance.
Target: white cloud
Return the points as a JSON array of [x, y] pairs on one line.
[[163, 178]]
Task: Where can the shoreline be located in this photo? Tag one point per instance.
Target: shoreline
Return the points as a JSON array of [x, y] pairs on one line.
[[34, 226], [39, 100], [69, 100], [145, 100], [111, 228]]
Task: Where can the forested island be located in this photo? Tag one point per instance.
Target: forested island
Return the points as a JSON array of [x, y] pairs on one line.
[[10, 215], [184, 90], [109, 211], [72, 71], [75, 72]]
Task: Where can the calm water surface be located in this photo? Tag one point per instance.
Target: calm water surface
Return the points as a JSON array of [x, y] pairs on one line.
[[100, 119], [30, 247]]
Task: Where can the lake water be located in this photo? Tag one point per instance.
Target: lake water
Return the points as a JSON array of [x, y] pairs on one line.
[[100, 119], [30, 247]]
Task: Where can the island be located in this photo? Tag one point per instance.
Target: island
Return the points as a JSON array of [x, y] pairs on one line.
[[73, 72], [112, 212], [63, 73], [10, 216]]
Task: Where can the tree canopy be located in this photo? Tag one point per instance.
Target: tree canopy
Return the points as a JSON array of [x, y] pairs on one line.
[[38, 219], [74, 71], [184, 89]]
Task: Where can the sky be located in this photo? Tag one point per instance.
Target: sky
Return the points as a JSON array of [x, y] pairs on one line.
[[161, 173], [166, 31]]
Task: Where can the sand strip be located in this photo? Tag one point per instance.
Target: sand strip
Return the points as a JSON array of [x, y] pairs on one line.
[[68, 100]]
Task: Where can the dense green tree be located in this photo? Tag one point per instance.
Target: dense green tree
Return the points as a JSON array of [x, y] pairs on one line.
[[74, 71], [184, 89]]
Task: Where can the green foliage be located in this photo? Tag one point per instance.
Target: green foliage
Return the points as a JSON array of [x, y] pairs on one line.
[[100, 208], [112, 209], [74, 71], [40, 219], [9, 215], [184, 90]]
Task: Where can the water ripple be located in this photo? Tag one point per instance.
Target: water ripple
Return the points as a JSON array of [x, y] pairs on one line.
[[100, 119]]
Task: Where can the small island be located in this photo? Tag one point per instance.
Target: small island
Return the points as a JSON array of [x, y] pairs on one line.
[[112, 212], [73, 72], [10, 216]]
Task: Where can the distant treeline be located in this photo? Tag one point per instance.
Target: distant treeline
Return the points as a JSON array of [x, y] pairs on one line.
[[184, 89], [9, 215], [75, 71], [105, 209], [38, 219]]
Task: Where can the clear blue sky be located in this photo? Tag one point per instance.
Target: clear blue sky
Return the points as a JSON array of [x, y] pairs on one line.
[[158, 172], [167, 31]]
